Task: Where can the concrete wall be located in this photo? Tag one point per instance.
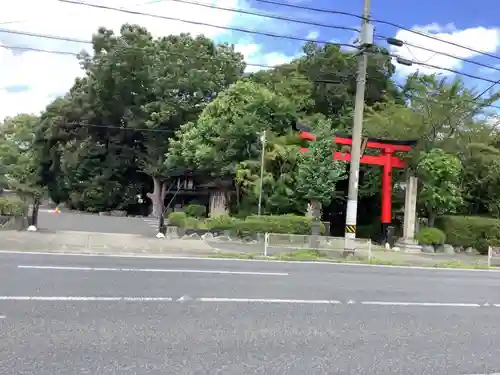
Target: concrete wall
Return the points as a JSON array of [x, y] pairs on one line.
[[91, 242]]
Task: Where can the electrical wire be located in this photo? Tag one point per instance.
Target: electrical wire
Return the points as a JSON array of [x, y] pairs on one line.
[[338, 78], [74, 40], [55, 52], [31, 19], [398, 26], [241, 11], [227, 28], [180, 55], [152, 130], [266, 15], [293, 20]]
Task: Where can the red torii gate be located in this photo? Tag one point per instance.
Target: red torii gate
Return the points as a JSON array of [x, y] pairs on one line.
[[386, 159]]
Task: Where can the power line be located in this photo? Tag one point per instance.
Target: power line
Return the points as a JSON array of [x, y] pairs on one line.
[[248, 64], [264, 15], [228, 28], [445, 69], [74, 40], [318, 80], [56, 52], [30, 19], [45, 36], [323, 10], [153, 130], [443, 54]]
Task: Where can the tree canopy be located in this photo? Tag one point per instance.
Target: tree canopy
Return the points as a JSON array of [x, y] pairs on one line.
[[148, 109]]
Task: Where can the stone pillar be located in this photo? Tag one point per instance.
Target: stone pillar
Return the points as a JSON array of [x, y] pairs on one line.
[[410, 209], [407, 242], [218, 203]]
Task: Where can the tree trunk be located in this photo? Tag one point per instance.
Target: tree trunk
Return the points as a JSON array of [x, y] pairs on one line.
[[34, 212], [431, 219], [157, 197]]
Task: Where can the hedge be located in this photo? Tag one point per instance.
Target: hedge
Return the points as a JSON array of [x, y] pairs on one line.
[[471, 231], [195, 210], [431, 236], [12, 207], [291, 224]]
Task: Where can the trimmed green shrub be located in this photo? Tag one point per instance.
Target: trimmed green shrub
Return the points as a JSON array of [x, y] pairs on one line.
[[195, 210], [431, 236], [291, 224], [221, 222], [252, 224], [177, 219], [471, 231], [13, 207]]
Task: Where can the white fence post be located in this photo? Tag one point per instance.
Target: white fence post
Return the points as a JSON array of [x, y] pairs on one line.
[[369, 251], [266, 242], [489, 256]]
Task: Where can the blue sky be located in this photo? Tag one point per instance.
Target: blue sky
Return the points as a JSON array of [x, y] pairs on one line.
[[461, 22], [29, 80]]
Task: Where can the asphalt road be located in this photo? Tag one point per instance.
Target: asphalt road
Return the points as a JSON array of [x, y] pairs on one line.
[[84, 222], [110, 315]]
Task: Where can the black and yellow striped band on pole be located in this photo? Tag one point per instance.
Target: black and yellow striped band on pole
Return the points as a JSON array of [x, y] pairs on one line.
[[350, 228]]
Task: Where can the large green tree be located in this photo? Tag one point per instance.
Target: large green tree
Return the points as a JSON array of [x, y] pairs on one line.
[[137, 91], [228, 130], [20, 160]]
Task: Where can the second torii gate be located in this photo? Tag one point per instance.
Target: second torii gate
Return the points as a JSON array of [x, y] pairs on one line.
[[386, 159]]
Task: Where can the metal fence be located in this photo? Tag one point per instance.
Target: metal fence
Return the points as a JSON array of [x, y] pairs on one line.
[[331, 247], [493, 256]]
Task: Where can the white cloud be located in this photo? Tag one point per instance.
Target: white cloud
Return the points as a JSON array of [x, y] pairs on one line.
[[50, 74], [479, 38], [254, 54], [312, 35]]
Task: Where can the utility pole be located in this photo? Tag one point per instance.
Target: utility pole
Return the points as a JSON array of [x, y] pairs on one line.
[[262, 158], [366, 39]]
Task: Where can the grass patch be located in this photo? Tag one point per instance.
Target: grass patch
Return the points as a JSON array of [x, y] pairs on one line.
[[318, 256], [237, 256], [461, 265]]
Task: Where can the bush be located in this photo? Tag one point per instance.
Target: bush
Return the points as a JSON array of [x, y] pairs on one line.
[[291, 224], [195, 210], [221, 222], [177, 219], [252, 224], [13, 207], [471, 231], [431, 236]]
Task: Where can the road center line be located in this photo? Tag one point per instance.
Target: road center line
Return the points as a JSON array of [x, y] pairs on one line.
[[81, 298], [219, 272], [430, 304], [269, 300]]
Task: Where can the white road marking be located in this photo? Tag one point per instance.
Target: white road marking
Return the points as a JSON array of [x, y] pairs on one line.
[[228, 300], [220, 272], [2, 316], [269, 300], [180, 257], [431, 304], [81, 298]]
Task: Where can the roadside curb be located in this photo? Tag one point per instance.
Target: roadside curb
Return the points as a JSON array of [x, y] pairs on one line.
[[179, 255], [209, 257]]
